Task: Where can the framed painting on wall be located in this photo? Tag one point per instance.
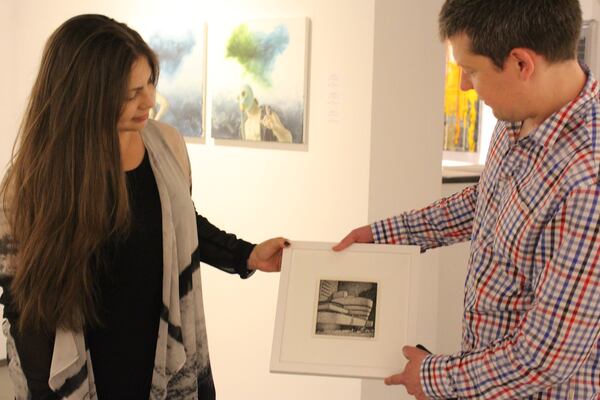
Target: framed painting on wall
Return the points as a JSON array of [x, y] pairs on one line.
[[258, 74], [345, 313], [180, 93], [461, 116]]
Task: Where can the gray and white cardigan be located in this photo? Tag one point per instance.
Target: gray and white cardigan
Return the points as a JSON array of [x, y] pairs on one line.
[[181, 351]]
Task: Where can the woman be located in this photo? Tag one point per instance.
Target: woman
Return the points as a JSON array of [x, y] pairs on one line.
[[100, 244]]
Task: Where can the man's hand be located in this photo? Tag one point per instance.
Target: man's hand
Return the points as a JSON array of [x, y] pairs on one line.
[[410, 376], [358, 235], [266, 256]]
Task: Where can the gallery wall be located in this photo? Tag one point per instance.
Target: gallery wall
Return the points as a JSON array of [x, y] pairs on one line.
[[313, 193], [406, 139], [7, 104], [591, 10]]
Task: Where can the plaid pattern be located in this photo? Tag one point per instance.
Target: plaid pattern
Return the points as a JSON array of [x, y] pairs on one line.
[[531, 322]]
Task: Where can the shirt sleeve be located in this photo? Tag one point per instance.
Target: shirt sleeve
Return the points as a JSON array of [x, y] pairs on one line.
[[447, 221], [555, 336], [221, 249]]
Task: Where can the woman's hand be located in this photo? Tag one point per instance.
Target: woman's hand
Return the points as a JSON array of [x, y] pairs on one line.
[[266, 256]]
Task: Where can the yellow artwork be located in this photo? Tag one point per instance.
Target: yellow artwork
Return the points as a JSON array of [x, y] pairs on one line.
[[461, 111]]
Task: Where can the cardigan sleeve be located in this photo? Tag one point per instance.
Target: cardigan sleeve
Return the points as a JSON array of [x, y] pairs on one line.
[[221, 249], [34, 348]]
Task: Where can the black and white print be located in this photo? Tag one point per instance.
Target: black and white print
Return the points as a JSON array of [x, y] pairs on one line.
[[346, 308]]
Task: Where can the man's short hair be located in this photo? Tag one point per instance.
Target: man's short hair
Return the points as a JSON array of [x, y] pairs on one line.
[[551, 28]]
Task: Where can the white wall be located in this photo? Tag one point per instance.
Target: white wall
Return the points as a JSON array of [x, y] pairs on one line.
[[591, 11], [406, 152], [7, 81], [7, 104]]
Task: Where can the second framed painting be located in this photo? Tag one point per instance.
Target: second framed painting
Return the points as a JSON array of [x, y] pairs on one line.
[[345, 313], [258, 73]]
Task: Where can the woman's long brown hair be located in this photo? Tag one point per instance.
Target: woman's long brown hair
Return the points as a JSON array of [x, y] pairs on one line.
[[65, 192]]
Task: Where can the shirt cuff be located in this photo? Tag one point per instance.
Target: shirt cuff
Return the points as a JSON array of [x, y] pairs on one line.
[[436, 382], [390, 231]]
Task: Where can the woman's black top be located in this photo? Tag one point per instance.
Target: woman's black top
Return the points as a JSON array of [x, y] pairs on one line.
[[130, 287]]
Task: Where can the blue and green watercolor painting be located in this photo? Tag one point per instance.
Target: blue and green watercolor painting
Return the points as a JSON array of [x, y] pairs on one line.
[[258, 80], [180, 91]]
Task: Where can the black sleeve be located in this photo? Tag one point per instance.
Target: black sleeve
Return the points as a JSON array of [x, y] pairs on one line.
[[221, 249], [10, 311], [34, 348]]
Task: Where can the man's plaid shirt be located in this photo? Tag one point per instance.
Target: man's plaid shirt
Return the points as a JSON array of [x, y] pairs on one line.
[[531, 320]]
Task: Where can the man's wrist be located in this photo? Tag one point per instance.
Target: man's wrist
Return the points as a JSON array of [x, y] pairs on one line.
[[435, 379]]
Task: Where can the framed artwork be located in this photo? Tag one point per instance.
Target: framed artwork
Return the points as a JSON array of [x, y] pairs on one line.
[[180, 93], [345, 313], [461, 116], [258, 72]]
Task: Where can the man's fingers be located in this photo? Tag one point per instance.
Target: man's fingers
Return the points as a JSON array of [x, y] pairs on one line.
[[358, 235], [409, 351], [347, 241], [397, 379]]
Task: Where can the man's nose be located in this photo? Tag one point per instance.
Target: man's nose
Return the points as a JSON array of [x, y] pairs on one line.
[[465, 81]]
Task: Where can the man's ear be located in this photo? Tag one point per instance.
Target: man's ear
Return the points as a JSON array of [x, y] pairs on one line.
[[523, 61]]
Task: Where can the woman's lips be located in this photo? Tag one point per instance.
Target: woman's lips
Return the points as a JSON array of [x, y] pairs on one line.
[[142, 118]]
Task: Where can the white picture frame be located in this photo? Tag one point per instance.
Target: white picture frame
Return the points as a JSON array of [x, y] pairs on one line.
[[310, 337]]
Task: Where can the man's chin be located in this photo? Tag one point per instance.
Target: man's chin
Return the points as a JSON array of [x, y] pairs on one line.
[[501, 117]]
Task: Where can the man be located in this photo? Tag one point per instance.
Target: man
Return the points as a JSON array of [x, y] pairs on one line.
[[532, 297]]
